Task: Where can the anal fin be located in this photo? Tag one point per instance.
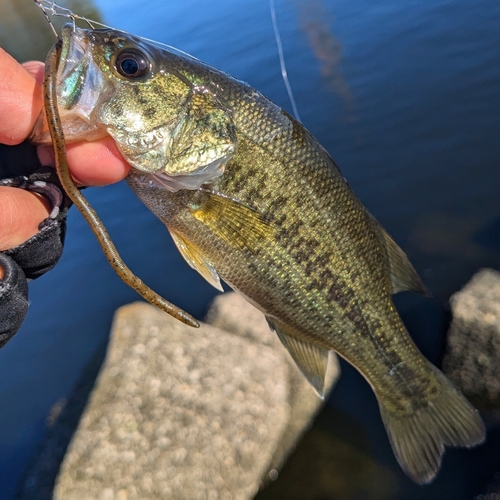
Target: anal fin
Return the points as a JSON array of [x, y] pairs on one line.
[[196, 260], [311, 359]]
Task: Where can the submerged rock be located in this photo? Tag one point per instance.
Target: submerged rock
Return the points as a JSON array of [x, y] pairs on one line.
[[176, 413], [182, 413], [472, 360], [492, 490]]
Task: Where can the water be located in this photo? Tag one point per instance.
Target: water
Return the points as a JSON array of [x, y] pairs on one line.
[[404, 95]]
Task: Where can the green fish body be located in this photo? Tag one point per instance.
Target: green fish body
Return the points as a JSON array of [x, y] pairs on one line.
[[250, 197]]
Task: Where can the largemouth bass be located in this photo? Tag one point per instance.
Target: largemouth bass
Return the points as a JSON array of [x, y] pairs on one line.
[[250, 197]]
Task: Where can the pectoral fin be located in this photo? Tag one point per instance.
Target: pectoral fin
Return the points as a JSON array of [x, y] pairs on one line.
[[311, 359], [403, 275], [236, 223], [196, 260]]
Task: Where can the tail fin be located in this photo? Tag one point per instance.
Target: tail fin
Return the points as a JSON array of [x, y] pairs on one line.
[[419, 440]]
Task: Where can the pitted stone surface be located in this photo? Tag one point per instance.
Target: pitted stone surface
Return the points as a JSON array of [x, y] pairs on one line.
[[472, 360], [177, 413]]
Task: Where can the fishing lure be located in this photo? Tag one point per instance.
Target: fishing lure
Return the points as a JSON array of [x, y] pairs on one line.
[[82, 204]]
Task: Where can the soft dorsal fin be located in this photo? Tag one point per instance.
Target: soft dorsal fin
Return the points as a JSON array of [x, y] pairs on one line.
[[196, 260], [311, 359], [403, 275]]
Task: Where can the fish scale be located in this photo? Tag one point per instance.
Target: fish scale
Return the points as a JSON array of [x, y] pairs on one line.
[[251, 197]]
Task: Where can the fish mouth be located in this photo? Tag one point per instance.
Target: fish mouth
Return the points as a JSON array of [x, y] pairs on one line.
[[79, 79], [73, 66], [79, 84]]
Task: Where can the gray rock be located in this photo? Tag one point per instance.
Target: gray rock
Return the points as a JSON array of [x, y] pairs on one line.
[[233, 313], [176, 413], [472, 360]]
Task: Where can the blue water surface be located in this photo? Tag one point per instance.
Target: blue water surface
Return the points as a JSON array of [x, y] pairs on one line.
[[406, 98]]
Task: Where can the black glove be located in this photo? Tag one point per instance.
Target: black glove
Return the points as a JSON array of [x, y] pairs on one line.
[[19, 167], [13, 298]]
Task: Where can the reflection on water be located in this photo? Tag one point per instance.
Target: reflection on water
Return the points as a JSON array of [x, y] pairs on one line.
[[332, 461], [447, 234], [24, 31], [316, 21]]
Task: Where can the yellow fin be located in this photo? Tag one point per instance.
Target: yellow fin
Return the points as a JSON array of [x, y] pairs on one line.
[[419, 439], [311, 359], [236, 223], [196, 260], [403, 274]]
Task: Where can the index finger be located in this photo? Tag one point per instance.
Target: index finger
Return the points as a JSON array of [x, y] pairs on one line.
[[21, 101], [95, 163]]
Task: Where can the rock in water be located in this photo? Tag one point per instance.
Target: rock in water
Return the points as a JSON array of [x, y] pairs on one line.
[[180, 413], [472, 360], [176, 413]]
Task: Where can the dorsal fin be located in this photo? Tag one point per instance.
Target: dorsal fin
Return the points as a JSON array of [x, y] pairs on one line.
[[311, 359], [403, 274]]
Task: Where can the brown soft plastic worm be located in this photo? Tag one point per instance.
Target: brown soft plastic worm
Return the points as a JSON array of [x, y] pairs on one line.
[[58, 142]]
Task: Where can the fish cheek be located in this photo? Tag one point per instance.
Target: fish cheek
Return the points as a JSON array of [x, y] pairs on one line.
[[141, 118]]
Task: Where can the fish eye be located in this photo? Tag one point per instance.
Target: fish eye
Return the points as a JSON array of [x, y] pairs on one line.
[[132, 63]]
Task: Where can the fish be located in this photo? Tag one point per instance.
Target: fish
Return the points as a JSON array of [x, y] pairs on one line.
[[251, 198]]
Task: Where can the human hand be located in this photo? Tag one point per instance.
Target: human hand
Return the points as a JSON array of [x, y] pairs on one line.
[[95, 163]]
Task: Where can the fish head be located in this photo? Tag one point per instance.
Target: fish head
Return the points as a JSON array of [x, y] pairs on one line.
[[159, 106]]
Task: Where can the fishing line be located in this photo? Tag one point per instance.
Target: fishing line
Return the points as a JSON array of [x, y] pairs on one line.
[[52, 9], [38, 3], [284, 73]]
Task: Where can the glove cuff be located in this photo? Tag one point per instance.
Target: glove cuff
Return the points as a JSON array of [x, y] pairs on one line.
[[43, 250]]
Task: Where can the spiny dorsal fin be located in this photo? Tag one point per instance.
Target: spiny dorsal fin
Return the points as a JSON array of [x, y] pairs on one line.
[[403, 275], [236, 223], [311, 359], [196, 260]]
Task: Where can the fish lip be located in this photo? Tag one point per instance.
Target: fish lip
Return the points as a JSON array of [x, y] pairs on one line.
[[80, 82], [74, 44], [74, 47], [79, 85], [193, 180]]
